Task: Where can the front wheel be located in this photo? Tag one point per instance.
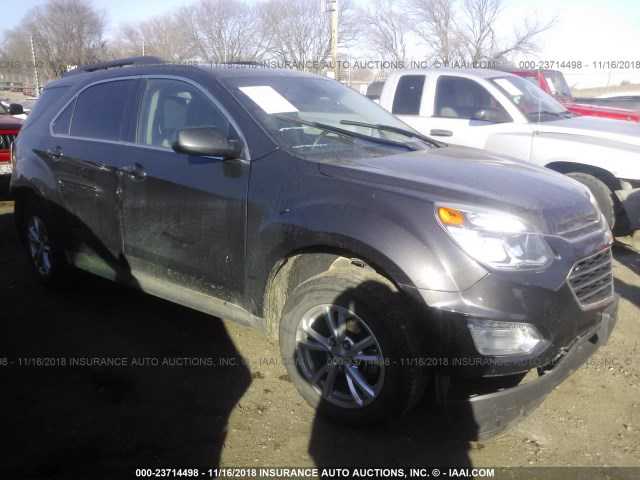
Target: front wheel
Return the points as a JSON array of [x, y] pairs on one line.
[[603, 195], [350, 347]]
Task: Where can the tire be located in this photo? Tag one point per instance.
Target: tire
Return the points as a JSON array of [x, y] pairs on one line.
[[375, 381], [603, 195], [44, 249]]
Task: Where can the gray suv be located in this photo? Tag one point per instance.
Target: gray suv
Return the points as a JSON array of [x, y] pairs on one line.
[[384, 262]]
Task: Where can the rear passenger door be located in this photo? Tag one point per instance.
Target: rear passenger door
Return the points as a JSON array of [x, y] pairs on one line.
[[409, 101], [85, 152], [183, 217]]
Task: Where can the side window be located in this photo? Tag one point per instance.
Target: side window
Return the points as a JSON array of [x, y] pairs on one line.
[[62, 124], [100, 110], [408, 95], [48, 99], [458, 97], [169, 105]]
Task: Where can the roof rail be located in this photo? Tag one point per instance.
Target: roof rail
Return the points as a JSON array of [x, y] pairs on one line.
[[146, 60]]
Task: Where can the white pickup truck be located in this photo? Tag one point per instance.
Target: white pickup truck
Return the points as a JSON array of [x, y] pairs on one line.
[[504, 113]]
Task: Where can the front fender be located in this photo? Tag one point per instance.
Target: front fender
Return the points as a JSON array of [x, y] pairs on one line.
[[620, 159], [376, 225]]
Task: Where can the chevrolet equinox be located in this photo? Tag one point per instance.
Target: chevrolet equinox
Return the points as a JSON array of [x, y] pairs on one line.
[[385, 263]]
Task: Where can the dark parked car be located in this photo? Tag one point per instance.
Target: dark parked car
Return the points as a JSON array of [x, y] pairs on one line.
[[384, 262]]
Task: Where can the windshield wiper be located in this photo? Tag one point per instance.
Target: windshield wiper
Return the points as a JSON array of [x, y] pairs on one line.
[[346, 133], [398, 130]]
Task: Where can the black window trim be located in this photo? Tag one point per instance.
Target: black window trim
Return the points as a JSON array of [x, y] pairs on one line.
[[128, 108], [207, 94], [74, 99]]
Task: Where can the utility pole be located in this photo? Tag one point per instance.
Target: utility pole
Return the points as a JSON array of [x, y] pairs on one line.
[[331, 6], [35, 67], [334, 39]]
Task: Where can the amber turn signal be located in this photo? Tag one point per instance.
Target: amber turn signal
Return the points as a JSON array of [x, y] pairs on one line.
[[449, 216]]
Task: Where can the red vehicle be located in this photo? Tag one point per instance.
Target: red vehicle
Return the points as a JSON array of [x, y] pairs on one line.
[[9, 128], [553, 83]]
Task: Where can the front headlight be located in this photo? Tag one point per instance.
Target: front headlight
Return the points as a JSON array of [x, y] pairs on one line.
[[497, 240]]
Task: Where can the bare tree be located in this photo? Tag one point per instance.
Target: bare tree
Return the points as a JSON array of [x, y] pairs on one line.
[[162, 36], [16, 65], [300, 35], [479, 42], [524, 39], [388, 29], [65, 33], [434, 22], [455, 31], [223, 30], [477, 30]]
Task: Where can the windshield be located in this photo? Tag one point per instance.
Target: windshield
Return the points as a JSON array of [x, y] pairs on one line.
[[530, 99], [558, 87], [312, 117]]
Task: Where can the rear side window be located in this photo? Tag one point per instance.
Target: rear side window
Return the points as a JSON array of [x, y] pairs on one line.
[[408, 95], [48, 98], [100, 110], [62, 124]]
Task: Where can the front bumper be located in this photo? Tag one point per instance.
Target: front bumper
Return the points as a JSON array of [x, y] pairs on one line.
[[483, 416]]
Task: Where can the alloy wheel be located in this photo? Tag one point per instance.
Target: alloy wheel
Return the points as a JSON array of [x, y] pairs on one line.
[[39, 245], [339, 356]]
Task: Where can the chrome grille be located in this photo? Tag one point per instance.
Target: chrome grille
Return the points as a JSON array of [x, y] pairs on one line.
[[591, 279], [6, 139]]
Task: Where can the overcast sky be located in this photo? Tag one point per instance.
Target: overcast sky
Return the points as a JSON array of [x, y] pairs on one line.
[[588, 30]]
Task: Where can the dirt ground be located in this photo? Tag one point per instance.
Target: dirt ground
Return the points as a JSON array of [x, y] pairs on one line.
[[218, 397]]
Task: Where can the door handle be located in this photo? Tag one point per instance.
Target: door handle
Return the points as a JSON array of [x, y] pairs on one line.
[[135, 172], [440, 133], [55, 153]]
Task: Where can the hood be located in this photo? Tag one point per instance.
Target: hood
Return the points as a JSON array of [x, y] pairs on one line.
[[547, 201], [594, 127]]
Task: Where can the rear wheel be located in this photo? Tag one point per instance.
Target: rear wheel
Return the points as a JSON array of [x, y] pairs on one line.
[[603, 195], [350, 348], [44, 248]]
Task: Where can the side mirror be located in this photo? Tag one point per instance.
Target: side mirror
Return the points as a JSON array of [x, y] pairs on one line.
[[16, 109], [206, 141], [491, 115]]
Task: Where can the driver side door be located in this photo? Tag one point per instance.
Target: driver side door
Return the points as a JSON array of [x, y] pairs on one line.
[[459, 104]]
